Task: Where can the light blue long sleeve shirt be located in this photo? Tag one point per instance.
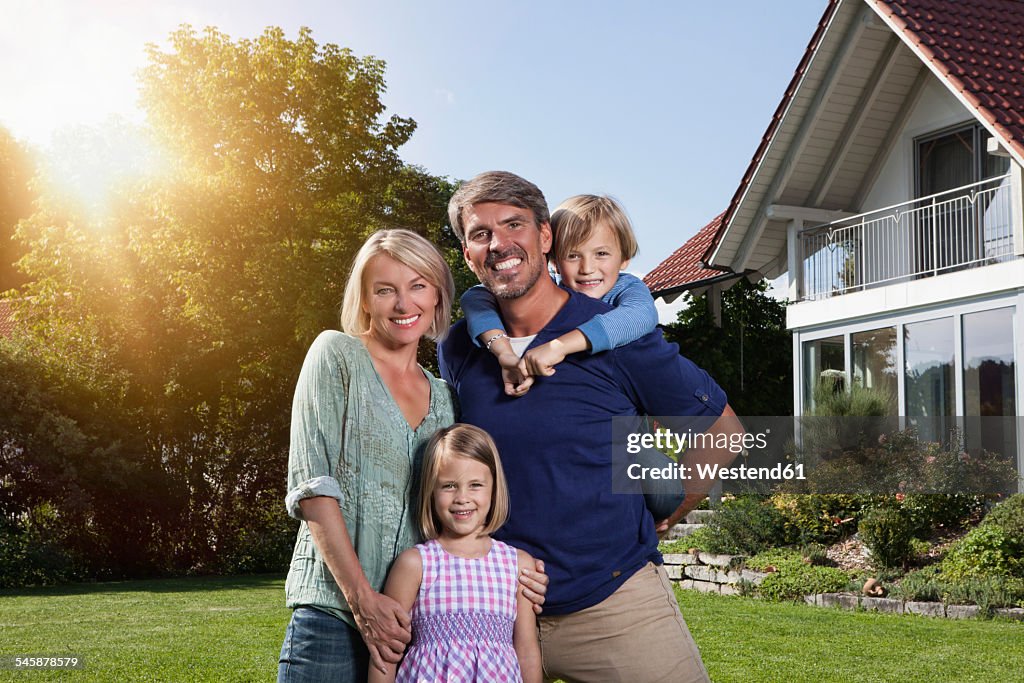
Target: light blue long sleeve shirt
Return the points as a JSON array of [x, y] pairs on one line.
[[633, 315]]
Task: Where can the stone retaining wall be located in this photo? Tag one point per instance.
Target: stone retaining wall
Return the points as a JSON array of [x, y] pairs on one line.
[[724, 574]]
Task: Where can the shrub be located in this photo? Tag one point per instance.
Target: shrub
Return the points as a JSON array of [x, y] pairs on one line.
[[927, 512], [793, 577], [37, 553], [1008, 516], [929, 584], [819, 518], [745, 526], [816, 555], [698, 539], [887, 534], [986, 550], [925, 584]]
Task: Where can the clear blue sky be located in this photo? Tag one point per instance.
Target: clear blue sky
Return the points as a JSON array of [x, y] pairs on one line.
[[660, 104]]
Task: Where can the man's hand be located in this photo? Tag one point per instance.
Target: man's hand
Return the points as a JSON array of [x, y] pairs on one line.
[[542, 360], [535, 585], [690, 502], [384, 626], [513, 374]]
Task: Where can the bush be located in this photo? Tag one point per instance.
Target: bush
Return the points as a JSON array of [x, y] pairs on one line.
[[1008, 516], [793, 577], [927, 512], [745, 526], [925, 584], [36, 553], [986, 550], [819, 518], [887, 534], [929, 584]]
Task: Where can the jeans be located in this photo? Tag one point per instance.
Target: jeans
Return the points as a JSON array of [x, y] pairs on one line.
[[319, 647]]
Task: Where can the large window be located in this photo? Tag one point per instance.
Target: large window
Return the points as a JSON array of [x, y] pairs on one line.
[[989, 387], [928, 362], [951, 233], [824, 360], [874, 361]]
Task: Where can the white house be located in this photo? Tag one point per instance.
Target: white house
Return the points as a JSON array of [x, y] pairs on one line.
[[888, 186]]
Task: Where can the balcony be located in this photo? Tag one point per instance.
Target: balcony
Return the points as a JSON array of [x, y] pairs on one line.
[[966, 227]]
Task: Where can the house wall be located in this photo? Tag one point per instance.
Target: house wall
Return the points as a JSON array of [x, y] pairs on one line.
[[909, 301], [936, 108]]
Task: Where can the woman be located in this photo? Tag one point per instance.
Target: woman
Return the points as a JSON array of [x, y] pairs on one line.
[[362, 414]]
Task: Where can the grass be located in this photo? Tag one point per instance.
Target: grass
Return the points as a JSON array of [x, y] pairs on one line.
[[230, 629], [743, 639], [195, 629]]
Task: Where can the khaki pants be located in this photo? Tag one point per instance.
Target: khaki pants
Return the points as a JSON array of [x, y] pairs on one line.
[[636, 635]]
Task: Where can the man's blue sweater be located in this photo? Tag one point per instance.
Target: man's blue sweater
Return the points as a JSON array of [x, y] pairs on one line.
[[556, 446]]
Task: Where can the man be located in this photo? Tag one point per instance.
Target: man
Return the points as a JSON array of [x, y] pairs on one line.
[[610, 614]]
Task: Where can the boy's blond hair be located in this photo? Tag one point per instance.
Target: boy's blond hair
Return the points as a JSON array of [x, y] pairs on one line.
[[574, 220]]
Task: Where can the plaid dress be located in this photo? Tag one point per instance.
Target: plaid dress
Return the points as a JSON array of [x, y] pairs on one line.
[[463, 617]]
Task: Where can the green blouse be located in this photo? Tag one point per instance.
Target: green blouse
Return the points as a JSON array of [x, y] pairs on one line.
[[350, 441]]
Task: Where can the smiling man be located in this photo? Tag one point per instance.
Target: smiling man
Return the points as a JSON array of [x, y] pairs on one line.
[[610, 613]]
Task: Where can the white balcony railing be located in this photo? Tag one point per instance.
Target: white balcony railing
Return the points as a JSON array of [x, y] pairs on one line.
[[961, 228]]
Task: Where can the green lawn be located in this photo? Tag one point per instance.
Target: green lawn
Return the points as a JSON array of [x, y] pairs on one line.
[[230, 629]]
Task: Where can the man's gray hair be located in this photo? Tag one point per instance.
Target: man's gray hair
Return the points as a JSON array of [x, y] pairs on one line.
[[499, 187]]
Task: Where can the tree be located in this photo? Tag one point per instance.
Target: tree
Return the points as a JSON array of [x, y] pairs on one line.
[[750, 355], [16, 171], [191, 303]]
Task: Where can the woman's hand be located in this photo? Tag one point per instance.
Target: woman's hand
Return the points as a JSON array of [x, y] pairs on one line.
[[535, 585], [384, 626]]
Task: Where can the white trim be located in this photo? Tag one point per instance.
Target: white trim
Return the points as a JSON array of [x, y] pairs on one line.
[[940, 291], [811, 63], [829, 81], [890, 318]]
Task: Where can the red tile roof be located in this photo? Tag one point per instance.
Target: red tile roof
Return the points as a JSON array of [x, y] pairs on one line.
[[685, 265], [978, 47], [6, 318]]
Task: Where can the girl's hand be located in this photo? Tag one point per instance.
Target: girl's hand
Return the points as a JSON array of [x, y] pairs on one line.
[[384, 626], [535, 585]]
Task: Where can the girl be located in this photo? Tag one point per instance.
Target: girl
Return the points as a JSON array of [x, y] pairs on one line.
[[469, 621]]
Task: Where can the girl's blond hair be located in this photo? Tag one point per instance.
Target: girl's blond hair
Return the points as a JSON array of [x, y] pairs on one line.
[[466, 441]]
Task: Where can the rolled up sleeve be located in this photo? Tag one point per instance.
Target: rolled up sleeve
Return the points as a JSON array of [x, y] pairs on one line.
[[316, 426]]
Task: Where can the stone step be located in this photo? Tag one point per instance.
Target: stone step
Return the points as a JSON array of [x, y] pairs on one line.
[[699, 516], [681, 531]]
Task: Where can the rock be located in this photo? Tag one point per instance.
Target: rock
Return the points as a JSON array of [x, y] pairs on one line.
[[1015, 613], [679, 558], [925, 609], [719, 560], [962, 611], [887, 605]]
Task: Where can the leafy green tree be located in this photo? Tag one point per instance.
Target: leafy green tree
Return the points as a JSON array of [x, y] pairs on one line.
[[750, 355], [16, 171], [190, 305]]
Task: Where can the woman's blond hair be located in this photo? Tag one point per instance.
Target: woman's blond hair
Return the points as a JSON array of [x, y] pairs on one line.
[[411, 250], [466, 441]]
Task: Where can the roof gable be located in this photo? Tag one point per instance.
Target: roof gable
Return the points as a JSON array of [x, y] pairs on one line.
[[804, 158]]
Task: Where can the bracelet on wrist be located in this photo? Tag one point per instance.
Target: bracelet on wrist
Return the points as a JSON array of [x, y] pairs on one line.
[[494, 339]]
